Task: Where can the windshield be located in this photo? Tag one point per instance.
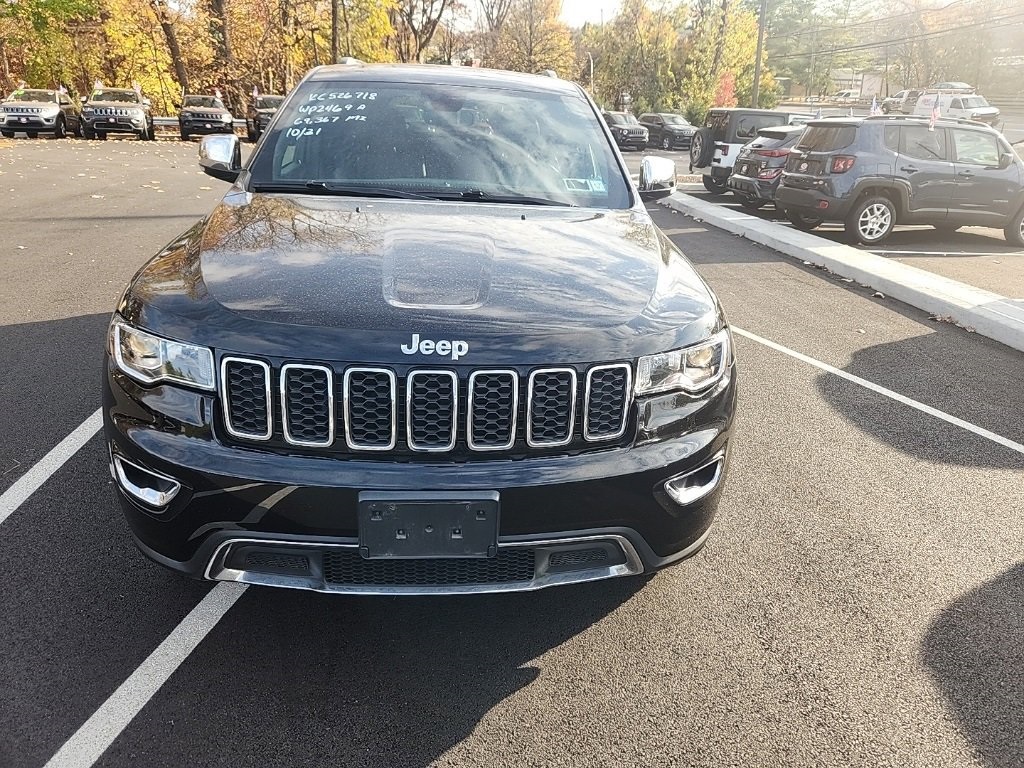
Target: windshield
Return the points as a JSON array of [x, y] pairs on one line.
[[125, 97], [442, 140], [269, 102], [209, 102], [674, 120], [622, 118], [33, 95], [974, 102]]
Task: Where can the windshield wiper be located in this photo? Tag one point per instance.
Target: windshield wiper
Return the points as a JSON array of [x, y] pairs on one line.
[[329, 188], [478, 195]]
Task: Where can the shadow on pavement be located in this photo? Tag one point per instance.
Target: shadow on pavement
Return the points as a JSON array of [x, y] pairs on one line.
[[357, 681], [975, 652], [965, 376]]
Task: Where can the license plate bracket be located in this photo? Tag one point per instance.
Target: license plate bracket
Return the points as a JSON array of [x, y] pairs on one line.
[[428, 524]]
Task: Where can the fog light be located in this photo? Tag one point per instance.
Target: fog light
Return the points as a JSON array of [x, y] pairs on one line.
[[151, 488], [697, 483], [823, 204]]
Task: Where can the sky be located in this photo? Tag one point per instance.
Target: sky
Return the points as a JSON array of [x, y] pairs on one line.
[[577, 12]]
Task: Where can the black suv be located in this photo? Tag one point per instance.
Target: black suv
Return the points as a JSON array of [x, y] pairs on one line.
[[758, 170], [435, 345], [667, 130], [876, 172], [626, 130], [117, 110], [202, 114], [260, 112]]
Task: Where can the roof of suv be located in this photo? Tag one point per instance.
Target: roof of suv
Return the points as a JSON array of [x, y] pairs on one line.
[[890, 119], [448, 75]]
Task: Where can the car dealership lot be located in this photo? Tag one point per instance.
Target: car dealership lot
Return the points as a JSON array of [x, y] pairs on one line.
[[861, 601]]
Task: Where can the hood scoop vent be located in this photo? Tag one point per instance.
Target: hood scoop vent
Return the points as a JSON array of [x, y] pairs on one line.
[[424, 273]]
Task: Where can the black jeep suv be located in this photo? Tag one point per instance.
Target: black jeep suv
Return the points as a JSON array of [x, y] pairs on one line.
[[429, 341], [874, 173], [203, 114]]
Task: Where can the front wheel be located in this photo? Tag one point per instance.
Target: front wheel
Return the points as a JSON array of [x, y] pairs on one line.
[[101, 135], [7, 134], [666, 143], [802, 222], [78, 129], [1015, 229], [250, 132], [752, 203], [60, 129], [714, 186], [185, 136], [871, 220]]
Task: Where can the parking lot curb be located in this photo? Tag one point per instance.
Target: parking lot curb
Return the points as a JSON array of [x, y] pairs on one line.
[[983, 312]]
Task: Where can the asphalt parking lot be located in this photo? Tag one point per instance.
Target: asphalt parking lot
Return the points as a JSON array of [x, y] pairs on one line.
[[860, 603]]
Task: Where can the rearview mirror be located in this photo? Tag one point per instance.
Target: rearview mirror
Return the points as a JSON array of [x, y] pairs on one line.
[[657, 178], [221, 157]]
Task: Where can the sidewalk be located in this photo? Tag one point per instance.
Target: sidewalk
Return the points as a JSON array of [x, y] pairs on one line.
[[986, 312]]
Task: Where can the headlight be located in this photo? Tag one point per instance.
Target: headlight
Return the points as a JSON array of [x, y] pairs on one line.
[[691, 369], [88, 111], [136, 113], [151, 359], [226, 118]]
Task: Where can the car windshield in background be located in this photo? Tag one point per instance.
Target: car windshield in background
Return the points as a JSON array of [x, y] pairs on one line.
[[32, 95], [126, 97], [207, 102], [441, 141], [621, 118], [269, 102], [675, 120], [822, 138]]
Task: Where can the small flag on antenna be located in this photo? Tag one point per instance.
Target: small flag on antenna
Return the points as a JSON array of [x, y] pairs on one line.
[[216, 92], [935, 115], [62, 91], [817, 115], [255, 91], [875, 109], [98, 84]]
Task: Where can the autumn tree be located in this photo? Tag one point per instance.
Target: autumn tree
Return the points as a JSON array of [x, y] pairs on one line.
[[415, 22], [533, 38]]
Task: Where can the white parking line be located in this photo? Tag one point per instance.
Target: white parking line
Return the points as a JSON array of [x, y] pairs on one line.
[[41, 471], [106, 724], [884, 252], [942, 415]]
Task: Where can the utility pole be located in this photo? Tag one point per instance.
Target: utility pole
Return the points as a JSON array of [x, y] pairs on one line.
[[334, 32], [761, 21]]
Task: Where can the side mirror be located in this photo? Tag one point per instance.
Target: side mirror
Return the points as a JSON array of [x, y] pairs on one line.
[[147, 103], [1005, 161], [221, 157], [177, 105], [83, 99], [657, 178]]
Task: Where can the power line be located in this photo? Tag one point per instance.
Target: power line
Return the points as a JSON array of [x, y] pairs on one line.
[[901, 40], [867, 22]]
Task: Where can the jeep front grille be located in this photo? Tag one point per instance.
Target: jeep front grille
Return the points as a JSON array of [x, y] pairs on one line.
[[443, 411], [118, 111]]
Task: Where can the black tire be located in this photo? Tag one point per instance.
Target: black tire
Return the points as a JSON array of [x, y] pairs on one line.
[[32, 135], [7, 134], [250, 132], [666, 143], [752, 203], [803, 222], [871, 220], [101, 136], [185, 136], [1014, 231], [90, 134], [60, 128], [715, 186], [78, 128], [702, 148]]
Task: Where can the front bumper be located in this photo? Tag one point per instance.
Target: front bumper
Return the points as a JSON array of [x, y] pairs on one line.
[[640, 142], [28, 123], [114, 124], [204, 127], [291, 520]]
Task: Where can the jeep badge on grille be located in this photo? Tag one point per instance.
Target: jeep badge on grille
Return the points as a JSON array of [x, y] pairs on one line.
[[440, 347]]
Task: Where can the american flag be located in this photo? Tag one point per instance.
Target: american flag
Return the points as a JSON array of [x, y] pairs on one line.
[[935, 115], [875, 109], [255, 91]]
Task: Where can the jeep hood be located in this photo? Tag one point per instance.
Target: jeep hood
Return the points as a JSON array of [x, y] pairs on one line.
[[359, 270]]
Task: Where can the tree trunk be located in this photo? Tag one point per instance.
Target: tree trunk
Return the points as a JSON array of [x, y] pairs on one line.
[[171, 35]]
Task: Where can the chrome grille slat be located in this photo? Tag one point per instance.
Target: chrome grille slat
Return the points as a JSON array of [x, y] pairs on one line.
[[605, 406], [366, 392], [492, 410], [245, 397], [551, 407], [307, 405], [432, 410]]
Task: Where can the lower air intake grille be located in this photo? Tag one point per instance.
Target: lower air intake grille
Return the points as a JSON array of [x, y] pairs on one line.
[[511, 565], [578, 557], [261, 561]]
